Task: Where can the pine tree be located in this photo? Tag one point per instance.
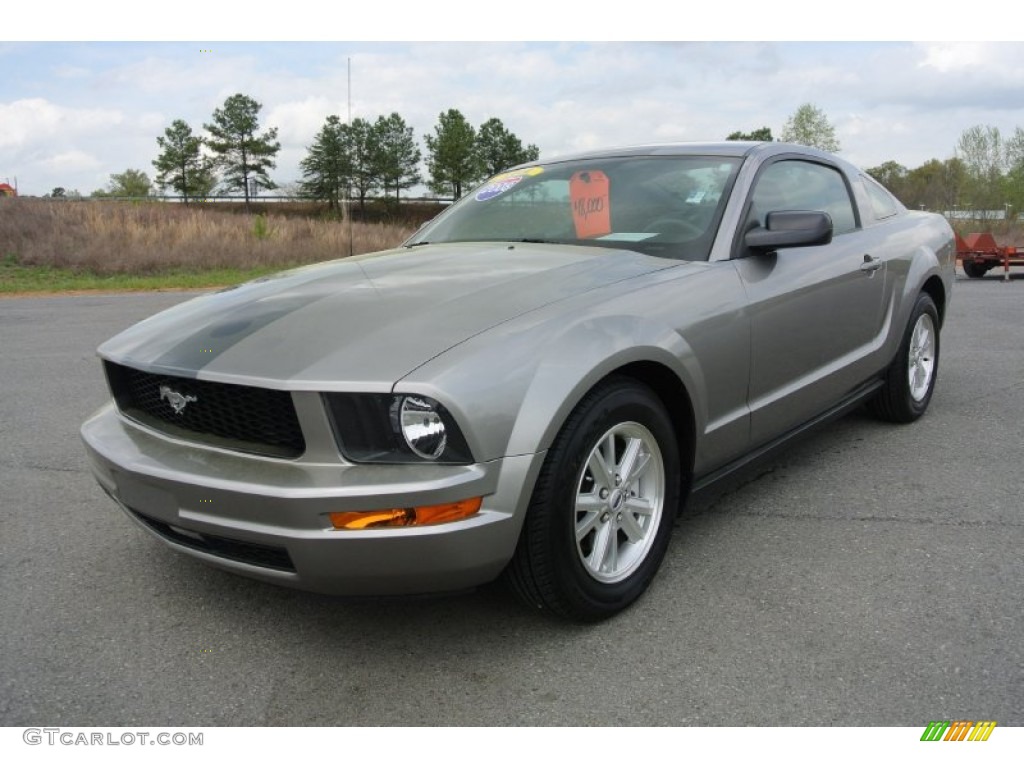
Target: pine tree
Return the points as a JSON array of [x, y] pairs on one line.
[[396, 156], [242, 153], [498, 148], [181, 164], [327, 168], [452, 159], [359, 140]]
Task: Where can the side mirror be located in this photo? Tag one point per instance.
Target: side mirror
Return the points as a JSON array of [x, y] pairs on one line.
[[790, 229]]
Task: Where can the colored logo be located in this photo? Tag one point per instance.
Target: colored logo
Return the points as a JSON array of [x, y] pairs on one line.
[[958, 730], [497, 187], [503, 182]]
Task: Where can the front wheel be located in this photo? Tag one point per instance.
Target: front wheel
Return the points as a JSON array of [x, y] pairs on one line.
[[603, 507], [910, 380]]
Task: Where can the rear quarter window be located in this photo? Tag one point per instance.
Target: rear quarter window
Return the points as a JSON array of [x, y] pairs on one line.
[[883, 204]]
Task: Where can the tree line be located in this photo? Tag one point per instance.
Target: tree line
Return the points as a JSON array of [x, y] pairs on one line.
[[355, 160], [984, 177], [808, 125], [360, 159]]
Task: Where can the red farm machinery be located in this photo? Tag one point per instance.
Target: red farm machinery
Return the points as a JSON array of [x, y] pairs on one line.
[[978, 253]]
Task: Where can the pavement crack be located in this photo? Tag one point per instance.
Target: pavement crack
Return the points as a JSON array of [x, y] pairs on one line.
[[883, 519], [43, 468]]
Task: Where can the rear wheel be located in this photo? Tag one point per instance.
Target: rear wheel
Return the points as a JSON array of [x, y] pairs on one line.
[[910, 380], [974, 269], [603, 507]]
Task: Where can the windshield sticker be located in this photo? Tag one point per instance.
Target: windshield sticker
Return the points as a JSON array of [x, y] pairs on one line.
[[498, 185], [591, 211], [697, 195], [503, 182]]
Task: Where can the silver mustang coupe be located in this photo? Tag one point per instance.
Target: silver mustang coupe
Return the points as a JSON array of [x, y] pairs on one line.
[[533, 383]]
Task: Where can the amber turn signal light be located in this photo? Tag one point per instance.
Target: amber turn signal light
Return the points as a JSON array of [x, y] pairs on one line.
[[398, 517]]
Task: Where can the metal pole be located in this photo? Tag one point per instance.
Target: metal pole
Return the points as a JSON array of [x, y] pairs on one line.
[[348, 192]]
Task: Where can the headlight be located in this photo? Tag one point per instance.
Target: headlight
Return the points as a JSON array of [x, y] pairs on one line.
[[422, 427], [395, 429]]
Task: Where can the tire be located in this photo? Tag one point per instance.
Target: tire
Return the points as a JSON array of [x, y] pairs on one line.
[[974, 269], [910, 380], [603, 508]]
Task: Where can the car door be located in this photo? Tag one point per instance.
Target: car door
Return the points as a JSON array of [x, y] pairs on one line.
[[815, 312]]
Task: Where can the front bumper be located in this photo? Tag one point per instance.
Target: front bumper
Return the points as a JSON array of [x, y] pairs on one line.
[[267, 518]]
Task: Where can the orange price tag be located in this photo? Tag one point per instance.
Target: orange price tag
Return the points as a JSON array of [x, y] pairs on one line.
[[591, 210]]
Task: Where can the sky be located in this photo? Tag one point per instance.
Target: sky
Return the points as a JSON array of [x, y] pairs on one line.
[[72, 112]]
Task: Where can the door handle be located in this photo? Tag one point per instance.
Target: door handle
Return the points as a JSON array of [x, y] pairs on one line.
[[870, 263]]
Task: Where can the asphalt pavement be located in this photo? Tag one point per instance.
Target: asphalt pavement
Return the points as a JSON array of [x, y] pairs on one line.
[[868, 575]]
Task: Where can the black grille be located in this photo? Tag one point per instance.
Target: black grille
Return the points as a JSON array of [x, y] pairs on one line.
[[230, 549], [249, 419]]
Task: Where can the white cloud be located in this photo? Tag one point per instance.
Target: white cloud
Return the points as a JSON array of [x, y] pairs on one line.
[[181, 69], [299, 121], [951, 56], [152, 121], [35, 120], [907, 102], [71, 72], [74, 161]]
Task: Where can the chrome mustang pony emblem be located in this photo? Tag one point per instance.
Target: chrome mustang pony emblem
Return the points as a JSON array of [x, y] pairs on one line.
[[177, 400]]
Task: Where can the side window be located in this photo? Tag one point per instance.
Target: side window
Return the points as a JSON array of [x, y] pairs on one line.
[[882, 203], [798, 185]]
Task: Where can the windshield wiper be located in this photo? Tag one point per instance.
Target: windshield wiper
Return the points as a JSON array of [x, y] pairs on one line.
[[510, 240]]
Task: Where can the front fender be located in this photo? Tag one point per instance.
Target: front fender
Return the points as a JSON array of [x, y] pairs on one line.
[[584, 354], [510, 393], [511, 388]]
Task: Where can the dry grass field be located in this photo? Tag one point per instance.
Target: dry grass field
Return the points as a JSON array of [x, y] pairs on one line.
[[105, 238], [101, 245]]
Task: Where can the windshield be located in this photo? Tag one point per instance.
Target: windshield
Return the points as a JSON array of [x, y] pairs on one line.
[[660, 205]]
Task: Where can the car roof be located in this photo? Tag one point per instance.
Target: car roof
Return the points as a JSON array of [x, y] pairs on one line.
[[720, 148]]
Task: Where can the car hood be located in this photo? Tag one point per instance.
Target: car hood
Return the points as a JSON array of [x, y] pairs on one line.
[[365, 322]]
